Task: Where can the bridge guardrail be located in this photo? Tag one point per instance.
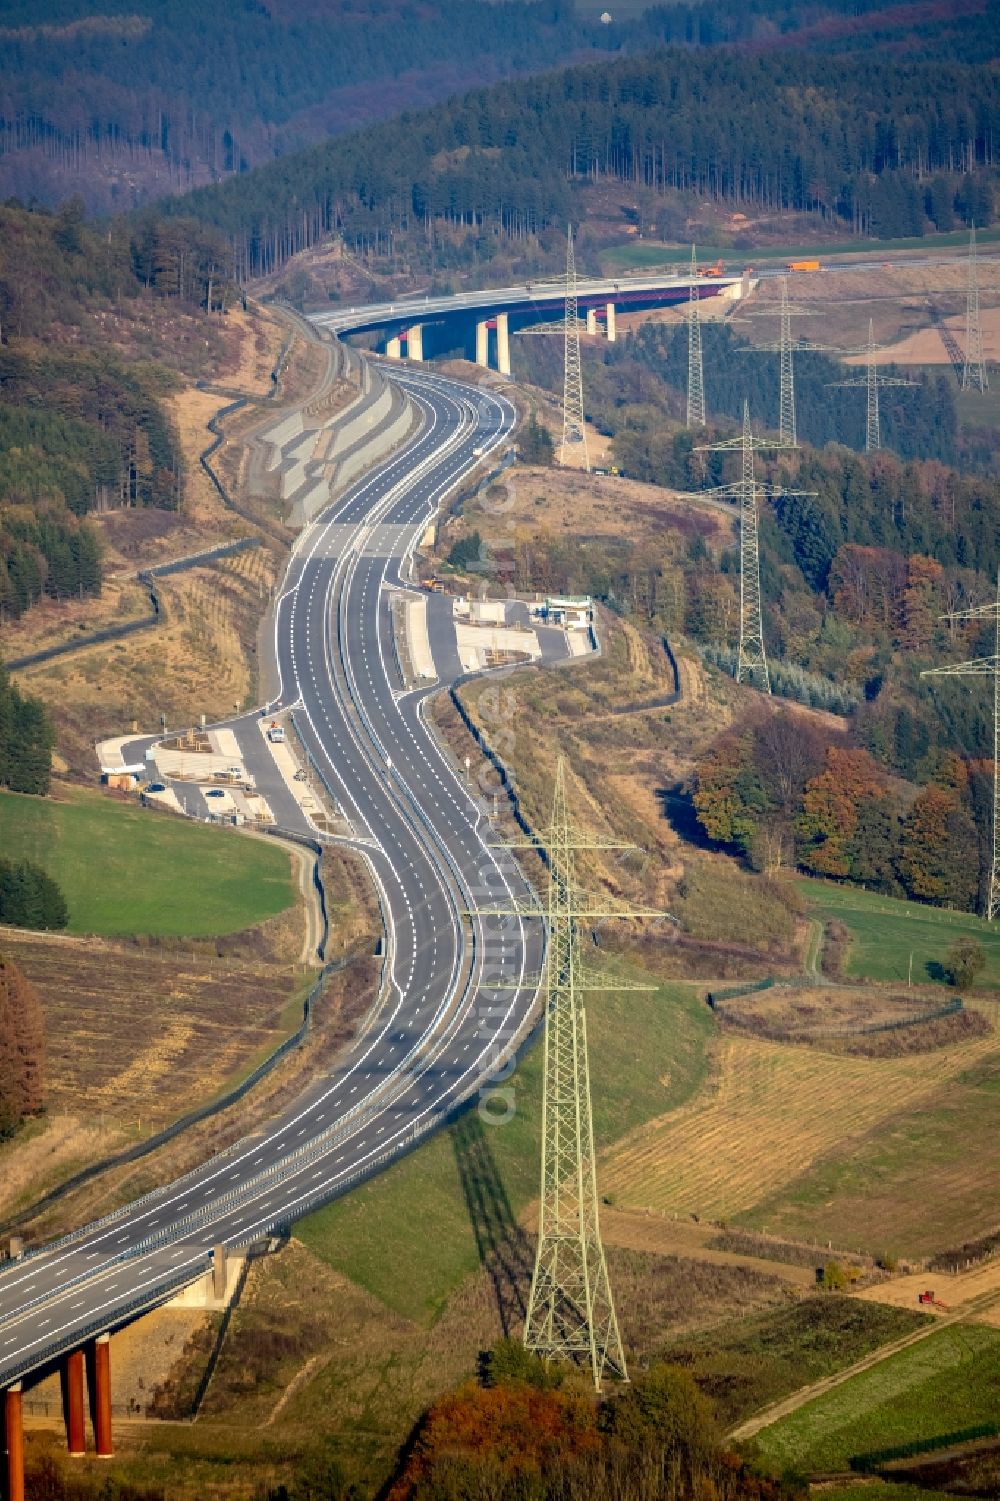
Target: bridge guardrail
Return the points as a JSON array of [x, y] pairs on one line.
[[149, 1299]]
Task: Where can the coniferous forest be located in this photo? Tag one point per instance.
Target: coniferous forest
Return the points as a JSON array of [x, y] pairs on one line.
[[137, 97], [26, 739], [856, 141]]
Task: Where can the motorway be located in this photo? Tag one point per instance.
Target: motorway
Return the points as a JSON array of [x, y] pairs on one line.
[[458, 994]]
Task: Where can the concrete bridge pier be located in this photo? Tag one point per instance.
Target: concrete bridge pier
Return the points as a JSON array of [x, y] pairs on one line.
[[503, 344], [219, 1275], [101, 1410], [73, 1383], [591, 320], [415, 342], [394, 348], [14, 1442], [612, 331], [483, 344]]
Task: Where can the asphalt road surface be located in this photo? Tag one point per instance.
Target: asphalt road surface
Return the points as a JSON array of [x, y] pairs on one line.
[[458, 993]]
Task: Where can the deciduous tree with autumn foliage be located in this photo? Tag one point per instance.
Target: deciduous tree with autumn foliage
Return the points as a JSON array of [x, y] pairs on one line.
[[831, 806], [939, 858], [540, 1434], [780, 789], [750, 783]]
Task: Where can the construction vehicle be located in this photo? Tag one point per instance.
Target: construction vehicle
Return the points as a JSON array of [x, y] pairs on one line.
[[803, 265], [928, 1297], [717, 268]]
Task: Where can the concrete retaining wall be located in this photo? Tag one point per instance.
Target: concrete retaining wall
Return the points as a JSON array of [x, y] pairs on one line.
[[281, 434], [317, 462], [398, 424], [362, 416]]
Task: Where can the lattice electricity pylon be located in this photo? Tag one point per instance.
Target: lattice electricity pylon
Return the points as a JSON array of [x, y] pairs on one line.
[[751, 657], [872, 381], [974, 369], [696, 369], [571, 1313], [785, 348], [574, 428], [984, 667]]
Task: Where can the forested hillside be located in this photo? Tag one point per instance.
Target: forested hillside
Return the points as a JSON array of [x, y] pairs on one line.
[[856, 141], [81, 427], [861, 557], [917, 421], [125, 99], [896, 792]]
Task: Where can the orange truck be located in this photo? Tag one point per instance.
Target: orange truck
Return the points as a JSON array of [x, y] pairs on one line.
[[803, 265]]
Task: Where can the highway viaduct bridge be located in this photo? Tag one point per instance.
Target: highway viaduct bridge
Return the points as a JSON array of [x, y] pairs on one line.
[[58, 1305], [481, 323]]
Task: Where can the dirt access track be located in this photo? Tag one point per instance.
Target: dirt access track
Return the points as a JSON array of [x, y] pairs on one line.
[[979, 1292]]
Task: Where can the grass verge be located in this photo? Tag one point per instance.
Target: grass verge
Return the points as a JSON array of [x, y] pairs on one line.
[[411, 1234], [635, 255], [125, 870]]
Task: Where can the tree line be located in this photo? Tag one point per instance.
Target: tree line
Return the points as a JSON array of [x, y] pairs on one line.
[[780, 792], [45, 551], [26, 740], [788, 131], [29, 897], [532, 1432]]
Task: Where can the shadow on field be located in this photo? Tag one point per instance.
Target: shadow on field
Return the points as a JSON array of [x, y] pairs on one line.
[[677, 807], [504, 1248]]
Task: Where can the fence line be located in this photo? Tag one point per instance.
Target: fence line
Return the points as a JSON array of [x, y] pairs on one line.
[[718, 1001], [145, 576]]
